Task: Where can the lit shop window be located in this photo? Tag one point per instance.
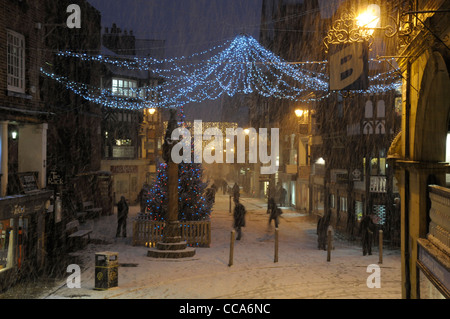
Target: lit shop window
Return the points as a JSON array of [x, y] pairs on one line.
[[6, 245], [16, 61], [359, 210], [124, 87], [343, 207], [126, 142]]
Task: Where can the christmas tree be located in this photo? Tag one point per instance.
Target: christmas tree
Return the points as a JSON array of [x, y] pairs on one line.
[[192, 202]]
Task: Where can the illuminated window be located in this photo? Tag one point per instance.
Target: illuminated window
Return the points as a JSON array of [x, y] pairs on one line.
[[6, 244], [343, 207], [124, 87], [16, 61]]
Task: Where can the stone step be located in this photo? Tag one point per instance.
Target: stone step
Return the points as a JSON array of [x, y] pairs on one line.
[[183, 253], [171, 246]]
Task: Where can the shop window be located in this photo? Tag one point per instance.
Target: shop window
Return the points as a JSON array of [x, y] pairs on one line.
[[380, 212], [16, 61], [343, 202], [332, 201], [359, 209], [6, 245]]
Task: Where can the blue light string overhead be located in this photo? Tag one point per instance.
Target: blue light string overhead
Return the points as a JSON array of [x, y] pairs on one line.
[[244, 67]]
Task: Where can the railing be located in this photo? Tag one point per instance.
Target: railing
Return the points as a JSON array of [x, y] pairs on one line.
[[440, 216], [149, 232]]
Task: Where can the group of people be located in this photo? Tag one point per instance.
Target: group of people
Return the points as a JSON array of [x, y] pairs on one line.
[[239, 212], [366, 230]]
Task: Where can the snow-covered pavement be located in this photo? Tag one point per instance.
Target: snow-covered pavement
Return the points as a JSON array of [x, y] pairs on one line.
[[302, 271]]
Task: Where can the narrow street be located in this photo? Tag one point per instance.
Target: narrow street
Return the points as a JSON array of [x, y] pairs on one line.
[[301, 272]]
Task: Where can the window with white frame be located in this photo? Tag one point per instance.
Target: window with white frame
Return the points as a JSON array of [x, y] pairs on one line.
[[16, 61], [124, 87]]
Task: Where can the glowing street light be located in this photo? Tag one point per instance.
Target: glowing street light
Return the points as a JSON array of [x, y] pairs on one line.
[[152, 111], [299, 113], [369, 19]]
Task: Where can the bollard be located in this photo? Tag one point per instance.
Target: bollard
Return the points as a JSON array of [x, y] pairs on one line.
[[230, 205], [329, 246], [380, 244], [230, 263], [276, 246]]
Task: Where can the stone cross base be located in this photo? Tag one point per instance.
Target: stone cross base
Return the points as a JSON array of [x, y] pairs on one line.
[[172, 246]]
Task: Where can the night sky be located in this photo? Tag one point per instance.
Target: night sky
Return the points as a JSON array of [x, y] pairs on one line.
[[188, 26]]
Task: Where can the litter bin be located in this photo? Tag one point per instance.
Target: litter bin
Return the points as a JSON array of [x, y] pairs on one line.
[[106, 270]]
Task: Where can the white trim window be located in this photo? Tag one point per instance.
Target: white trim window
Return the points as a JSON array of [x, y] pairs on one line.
[[16, 61], [124, 87]]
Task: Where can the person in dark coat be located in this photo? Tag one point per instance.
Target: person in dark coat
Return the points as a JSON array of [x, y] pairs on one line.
[[210, 195], [274, 212], [214, 191], [142, 197], [122, 215], [366, 230], [322, 226], [236, 191], [239, 218], [224, 187], [283, 194]]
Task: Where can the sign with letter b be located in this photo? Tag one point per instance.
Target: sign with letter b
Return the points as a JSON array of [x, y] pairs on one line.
[[348, 67]]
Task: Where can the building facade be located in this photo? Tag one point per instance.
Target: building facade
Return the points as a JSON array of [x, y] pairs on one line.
[[420, 154], [132, 143], [24, 123]]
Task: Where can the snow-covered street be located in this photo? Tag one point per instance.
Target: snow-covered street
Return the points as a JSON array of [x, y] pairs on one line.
[[302, 270]]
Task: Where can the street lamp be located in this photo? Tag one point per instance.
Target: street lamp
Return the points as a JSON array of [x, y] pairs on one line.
[[299, 112], [152, 111], [369, 19]]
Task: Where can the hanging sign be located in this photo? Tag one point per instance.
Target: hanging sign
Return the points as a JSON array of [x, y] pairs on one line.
[[348, 66]]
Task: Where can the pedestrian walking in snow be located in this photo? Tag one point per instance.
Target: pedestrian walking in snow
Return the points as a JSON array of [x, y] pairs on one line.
[[322, 226], [236, 192], [366, 230], [239, 218], [283, 194], [274, 212], [142, 197], [224, 186], [122, 215]]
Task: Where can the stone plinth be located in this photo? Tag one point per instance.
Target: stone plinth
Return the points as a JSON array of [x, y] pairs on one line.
[[172, 246]]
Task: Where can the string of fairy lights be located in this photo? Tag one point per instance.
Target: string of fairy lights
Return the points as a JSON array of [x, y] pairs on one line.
[[241, 66]]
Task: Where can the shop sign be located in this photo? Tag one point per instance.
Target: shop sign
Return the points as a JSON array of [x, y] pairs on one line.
[[341, 178], [55, 178], [349, 68], [18, 210], [124, 169], [356, 175], [28, 182]]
